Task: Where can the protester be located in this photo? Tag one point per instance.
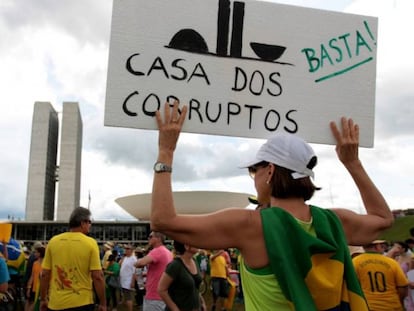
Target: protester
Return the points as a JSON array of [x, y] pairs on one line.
[[382, 279], [29, 263], [410, 243], [203, 262], [33, 284], [280, 244], [112, 282], [219, 272], [400, 252], [4, 271], [179, 284], [356, 250], [156, 261], [127, 276], [140, 278], [71, 266], [4, 280], [107, 248]]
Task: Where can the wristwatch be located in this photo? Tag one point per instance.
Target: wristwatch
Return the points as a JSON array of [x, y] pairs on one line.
[[160, 167]]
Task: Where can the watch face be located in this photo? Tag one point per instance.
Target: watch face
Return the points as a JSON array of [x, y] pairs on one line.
[[158, 167], [161, 167]]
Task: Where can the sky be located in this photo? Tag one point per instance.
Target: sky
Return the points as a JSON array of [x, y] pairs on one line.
[[57, 51]]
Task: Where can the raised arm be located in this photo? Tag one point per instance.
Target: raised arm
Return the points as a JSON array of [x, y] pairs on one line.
[[219, 227], [162, 205], [359, 229]]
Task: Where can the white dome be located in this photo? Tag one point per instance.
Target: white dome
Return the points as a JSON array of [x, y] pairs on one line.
[[186, 202]]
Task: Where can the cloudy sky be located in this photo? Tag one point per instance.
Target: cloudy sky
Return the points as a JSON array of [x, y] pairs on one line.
[[57, 51]]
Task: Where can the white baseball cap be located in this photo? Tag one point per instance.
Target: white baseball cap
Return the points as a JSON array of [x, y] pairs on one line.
[[288, 151]]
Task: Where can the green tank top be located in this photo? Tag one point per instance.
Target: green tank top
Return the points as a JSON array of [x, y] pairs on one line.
[[261, 289]]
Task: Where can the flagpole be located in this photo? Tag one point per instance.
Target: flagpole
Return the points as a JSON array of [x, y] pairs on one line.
[[89, 199]]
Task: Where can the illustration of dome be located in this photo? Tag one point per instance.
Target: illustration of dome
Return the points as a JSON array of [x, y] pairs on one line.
[[188, 40]]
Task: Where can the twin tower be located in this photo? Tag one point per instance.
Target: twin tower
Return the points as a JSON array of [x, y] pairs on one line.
[[55, 163]]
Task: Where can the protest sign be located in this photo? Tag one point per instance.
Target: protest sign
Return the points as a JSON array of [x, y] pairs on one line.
[[244, 68]]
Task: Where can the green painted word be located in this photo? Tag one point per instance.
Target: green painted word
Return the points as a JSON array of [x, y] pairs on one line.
[[337, 50]]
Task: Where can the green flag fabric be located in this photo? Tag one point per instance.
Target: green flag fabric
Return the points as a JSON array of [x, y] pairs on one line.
[[315, 272]]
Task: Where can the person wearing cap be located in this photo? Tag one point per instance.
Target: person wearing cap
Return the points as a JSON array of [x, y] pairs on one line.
[[294, 255], [107, 252], [383, 281], [355, 250]]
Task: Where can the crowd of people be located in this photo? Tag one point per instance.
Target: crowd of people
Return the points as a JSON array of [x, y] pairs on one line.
[[160, 276], [71, 271]]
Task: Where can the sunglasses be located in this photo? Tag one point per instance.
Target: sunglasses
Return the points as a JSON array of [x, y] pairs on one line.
[[254, 168], [88, 221]]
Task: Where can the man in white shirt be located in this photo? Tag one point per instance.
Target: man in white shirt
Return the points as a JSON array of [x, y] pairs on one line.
[[126, 276]]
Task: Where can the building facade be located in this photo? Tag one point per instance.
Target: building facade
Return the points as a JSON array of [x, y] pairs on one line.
[[41, 187], [69, 172], [133, 232], [44, 170]]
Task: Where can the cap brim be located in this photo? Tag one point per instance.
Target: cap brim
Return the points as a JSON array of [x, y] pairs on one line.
[[249, 163]]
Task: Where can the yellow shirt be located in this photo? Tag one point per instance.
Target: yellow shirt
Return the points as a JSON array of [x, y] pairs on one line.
[[380, 276], [71, 256], [218, 267]]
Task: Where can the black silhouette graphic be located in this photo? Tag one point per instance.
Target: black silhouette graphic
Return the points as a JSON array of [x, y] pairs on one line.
[[223, 18], [237, 32], [266, 51], [191, 41]]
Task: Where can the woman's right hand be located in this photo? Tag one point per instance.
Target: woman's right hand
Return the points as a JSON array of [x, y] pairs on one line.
[[170, 127]]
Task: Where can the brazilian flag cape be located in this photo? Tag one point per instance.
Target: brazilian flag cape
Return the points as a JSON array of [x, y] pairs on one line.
[[314, 272]]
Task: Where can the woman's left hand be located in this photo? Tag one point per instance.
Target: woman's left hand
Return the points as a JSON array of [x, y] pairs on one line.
[[347, 140]]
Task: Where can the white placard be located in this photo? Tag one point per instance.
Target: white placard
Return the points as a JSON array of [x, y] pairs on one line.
[[244, 68]]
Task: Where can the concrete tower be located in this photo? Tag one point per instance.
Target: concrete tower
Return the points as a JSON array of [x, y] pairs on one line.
[[69, 172], [43, 169], [40, 199]]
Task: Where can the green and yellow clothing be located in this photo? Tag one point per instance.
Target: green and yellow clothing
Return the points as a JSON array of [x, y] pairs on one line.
[[112, 270], [310, 266], [261, 290], [262, 285]]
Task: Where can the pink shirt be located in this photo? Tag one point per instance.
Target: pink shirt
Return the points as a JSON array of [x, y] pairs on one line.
[[160, 256]]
